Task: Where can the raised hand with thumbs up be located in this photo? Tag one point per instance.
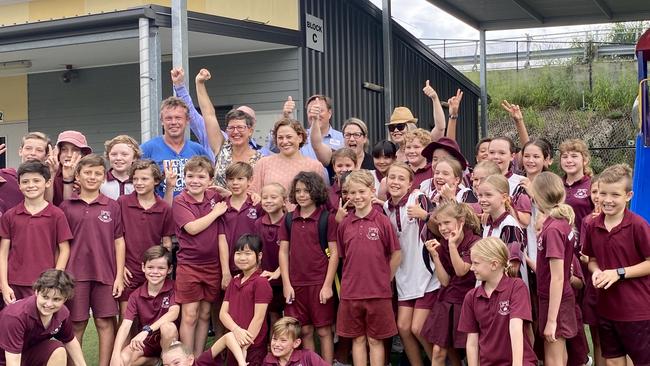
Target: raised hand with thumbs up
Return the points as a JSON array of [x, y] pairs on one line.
[[288, 107], [429, 91]]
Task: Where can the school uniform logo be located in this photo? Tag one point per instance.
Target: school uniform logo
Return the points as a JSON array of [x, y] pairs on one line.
[[252, 213], [56, 330], [212, 203], [165, 302], [105, 216], [540, 247], [581, 193], [373, 233], [504, 307]]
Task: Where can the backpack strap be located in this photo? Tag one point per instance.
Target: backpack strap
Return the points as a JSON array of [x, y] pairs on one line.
[[322, 231], [288, 219]]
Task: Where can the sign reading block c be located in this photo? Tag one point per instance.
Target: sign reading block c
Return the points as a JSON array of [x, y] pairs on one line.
[[314, 33]]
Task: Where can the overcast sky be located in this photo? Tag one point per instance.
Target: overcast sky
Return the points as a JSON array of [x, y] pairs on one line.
[[417, 15]]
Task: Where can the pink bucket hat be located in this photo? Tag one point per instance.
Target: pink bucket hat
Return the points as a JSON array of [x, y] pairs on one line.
[[76, 138], [248, 110]]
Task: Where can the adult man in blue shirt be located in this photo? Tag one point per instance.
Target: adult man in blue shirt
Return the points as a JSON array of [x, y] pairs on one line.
[[172, 150]]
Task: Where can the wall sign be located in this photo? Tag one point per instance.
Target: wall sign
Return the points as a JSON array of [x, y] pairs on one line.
[[314, 33]]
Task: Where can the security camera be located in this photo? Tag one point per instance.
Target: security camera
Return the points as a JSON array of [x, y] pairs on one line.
[[68, 74]]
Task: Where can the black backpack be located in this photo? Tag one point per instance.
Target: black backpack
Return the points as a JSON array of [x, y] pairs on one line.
[[322, 239], [322, 229]]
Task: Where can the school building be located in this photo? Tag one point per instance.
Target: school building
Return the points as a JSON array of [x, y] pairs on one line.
[[101, 67]]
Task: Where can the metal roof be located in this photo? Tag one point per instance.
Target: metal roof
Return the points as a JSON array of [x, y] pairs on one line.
[[513, 14]]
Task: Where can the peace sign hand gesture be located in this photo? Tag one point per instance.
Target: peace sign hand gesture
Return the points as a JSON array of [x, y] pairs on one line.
[[513, 110]]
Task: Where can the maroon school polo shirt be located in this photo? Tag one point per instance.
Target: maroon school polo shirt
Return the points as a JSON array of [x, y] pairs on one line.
[[235, 223], [578, 196], [34, 241], [420, 175], [143, 229], [202, 248], [9, 191], [148, 309], [22, 327], [307, 261], [268, 232], [455, 291], [556, 241], [626, 245], [299, 357], [366, 245], [57, 187], [489, 316], [334, 195], [242, 298], [95, 227]]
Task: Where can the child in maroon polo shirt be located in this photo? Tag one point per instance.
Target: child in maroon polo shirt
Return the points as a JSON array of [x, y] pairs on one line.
[[154, 308], [618, 245], [285, 346], [458, 229], [121, 151], [96, 254], [70, 147], [203, 251], [34, 234], [371, 254], [343, 161], [495, 314], [246, 300], [241, 214], [574, 162], [147, 221], [37, 330], [307, 272], [180, 355], [555, 245], [274, 196]]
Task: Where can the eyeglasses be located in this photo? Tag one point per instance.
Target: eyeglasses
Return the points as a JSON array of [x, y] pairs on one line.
[[397, 126], [239, 128], [356, 135]]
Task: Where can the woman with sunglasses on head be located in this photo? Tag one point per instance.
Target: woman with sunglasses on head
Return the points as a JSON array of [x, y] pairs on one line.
[[239, 127]]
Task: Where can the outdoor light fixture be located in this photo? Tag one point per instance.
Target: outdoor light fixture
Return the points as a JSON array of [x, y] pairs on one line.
[[372, 86], [15, 65]]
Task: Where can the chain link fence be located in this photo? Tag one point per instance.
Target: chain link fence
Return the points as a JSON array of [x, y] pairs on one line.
[[611, 139]]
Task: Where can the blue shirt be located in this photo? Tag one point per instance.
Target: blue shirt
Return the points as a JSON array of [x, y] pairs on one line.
[[157, 150], [197, 125]]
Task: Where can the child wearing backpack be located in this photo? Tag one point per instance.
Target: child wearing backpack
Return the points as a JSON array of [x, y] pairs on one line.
[[307, 270]]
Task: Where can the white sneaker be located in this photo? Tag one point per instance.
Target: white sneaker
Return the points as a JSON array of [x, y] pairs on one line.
[[337, 363], [590, 361]]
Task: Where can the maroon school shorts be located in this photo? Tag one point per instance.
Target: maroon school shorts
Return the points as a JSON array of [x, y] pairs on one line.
[[128, 290], [22, 292], [441, 326], [567, 325], [372, 317], [92, 295], [40, 353], [619, 338], [306, 307], [278, 302], [196, 283], [427, 301]]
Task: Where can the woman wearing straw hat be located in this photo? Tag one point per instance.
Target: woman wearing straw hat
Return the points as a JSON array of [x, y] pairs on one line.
[[402, 120]]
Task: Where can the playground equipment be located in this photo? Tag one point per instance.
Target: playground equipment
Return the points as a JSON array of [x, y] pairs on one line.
[[641, 115]]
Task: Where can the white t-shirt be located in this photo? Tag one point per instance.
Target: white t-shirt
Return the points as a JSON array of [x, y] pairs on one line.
[[413, 276]]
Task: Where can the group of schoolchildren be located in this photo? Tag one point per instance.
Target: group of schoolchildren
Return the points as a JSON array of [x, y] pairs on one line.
[[483, 265]]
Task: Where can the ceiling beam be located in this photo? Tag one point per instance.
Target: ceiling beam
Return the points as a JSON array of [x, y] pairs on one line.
[[529, 10], [446, 6], [604, 8]]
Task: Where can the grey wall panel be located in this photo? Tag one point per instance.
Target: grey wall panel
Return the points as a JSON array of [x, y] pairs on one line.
[[104, 102], [411, 71], [353, 54], [100, 102]]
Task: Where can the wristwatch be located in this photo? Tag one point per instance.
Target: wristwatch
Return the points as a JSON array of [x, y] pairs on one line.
[[621, 273], [147, 328], [453, 116]]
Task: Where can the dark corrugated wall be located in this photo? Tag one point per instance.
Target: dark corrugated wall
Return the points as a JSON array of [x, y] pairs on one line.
[[353, 55]]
